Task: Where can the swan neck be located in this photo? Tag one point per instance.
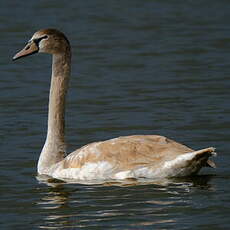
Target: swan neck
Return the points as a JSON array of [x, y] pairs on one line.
[[54, 147], [57, 97]]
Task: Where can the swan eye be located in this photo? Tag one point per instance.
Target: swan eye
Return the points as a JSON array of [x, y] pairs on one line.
[[37, 40]]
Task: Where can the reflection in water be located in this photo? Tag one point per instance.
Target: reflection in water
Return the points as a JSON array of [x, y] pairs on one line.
[[111, 204], [56, 198], [197, 180]]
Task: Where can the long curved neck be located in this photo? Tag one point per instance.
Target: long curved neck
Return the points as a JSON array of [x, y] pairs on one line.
[[54, 147], [58, 89]]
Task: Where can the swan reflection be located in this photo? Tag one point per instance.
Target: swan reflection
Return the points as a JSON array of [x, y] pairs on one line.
[[140, 203]]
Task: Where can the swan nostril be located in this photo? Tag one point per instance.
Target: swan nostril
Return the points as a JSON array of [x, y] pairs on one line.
[[27, 47]]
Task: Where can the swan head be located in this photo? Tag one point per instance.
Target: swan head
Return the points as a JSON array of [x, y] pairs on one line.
[[49, 41]]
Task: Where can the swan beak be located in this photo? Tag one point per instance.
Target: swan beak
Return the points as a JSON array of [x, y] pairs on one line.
[[29, 49]]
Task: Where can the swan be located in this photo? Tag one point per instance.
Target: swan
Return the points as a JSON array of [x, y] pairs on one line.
[[136, 156]]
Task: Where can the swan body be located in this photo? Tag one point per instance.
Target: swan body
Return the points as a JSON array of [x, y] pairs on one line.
[[138, 156], [148, 156]]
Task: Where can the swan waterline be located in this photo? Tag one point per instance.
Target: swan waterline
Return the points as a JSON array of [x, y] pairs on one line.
[[136, 156]]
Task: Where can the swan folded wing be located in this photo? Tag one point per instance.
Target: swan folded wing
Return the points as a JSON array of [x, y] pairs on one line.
[[127, 153], [132, 157]]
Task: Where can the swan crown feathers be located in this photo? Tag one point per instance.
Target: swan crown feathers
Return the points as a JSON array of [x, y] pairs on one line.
[[51, 41], [50, 32]]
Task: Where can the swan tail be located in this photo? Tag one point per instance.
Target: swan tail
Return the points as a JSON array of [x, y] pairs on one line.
[[203, 155]]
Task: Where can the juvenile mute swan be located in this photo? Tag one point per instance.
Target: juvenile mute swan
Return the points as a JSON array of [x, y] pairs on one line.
[[137, 156]]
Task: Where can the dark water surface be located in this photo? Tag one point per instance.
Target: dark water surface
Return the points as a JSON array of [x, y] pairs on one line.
[[139, 67]]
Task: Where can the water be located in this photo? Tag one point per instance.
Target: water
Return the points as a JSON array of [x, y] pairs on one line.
[[139, 67]]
